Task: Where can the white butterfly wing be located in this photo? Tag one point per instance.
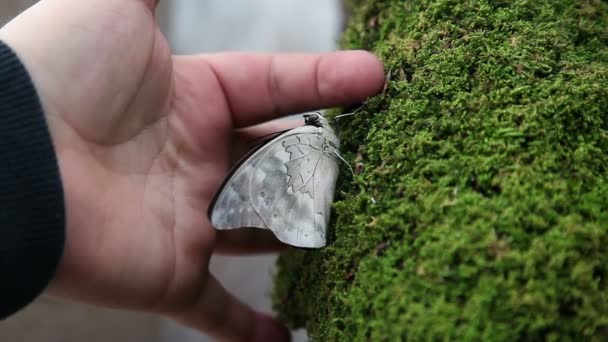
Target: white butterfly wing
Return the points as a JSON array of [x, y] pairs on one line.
[[286, 186], [297, 198], [232, 208]]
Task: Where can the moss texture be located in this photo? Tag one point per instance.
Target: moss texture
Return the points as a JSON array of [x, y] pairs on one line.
[[480, 206]]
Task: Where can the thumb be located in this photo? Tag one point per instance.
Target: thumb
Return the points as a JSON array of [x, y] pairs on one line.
[[93, 54]]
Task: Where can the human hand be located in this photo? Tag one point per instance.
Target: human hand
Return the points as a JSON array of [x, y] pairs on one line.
[[143, 141]]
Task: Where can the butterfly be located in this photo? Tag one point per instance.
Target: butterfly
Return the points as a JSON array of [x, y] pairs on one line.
[[285, 185]]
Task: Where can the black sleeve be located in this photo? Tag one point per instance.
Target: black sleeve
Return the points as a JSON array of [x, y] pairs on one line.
[[32, 213]]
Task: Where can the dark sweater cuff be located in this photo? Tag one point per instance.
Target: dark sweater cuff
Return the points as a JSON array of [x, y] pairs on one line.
[[32, 213]]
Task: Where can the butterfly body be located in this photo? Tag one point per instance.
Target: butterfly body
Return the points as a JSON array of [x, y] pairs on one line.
[[287, 186]]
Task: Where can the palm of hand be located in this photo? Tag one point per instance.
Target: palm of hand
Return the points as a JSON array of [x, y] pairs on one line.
[[143, 141]]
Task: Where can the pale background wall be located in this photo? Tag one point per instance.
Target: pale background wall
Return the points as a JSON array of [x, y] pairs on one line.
[[191, 26]]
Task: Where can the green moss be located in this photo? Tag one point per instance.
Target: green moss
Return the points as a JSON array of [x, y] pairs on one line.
[[480, 209]]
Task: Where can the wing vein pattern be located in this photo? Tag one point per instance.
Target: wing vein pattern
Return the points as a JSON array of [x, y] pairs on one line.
[[283, 187]]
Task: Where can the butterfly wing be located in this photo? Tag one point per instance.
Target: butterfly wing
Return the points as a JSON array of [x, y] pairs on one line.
[[231, 208], [296, 199], [286, 186]]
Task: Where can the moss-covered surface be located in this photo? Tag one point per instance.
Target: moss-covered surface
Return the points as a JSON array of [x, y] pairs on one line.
[[480, 207]]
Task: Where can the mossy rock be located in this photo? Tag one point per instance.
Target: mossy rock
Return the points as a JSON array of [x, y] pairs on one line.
[[479, 210]]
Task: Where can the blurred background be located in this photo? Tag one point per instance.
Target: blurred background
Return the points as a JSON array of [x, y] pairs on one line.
[[191, 26]]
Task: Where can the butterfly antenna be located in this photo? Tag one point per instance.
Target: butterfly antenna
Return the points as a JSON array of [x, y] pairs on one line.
[[344, 115], [348, 114], [345, 162]]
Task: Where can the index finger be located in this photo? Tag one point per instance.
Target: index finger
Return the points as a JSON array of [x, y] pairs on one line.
[[262, 87]]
